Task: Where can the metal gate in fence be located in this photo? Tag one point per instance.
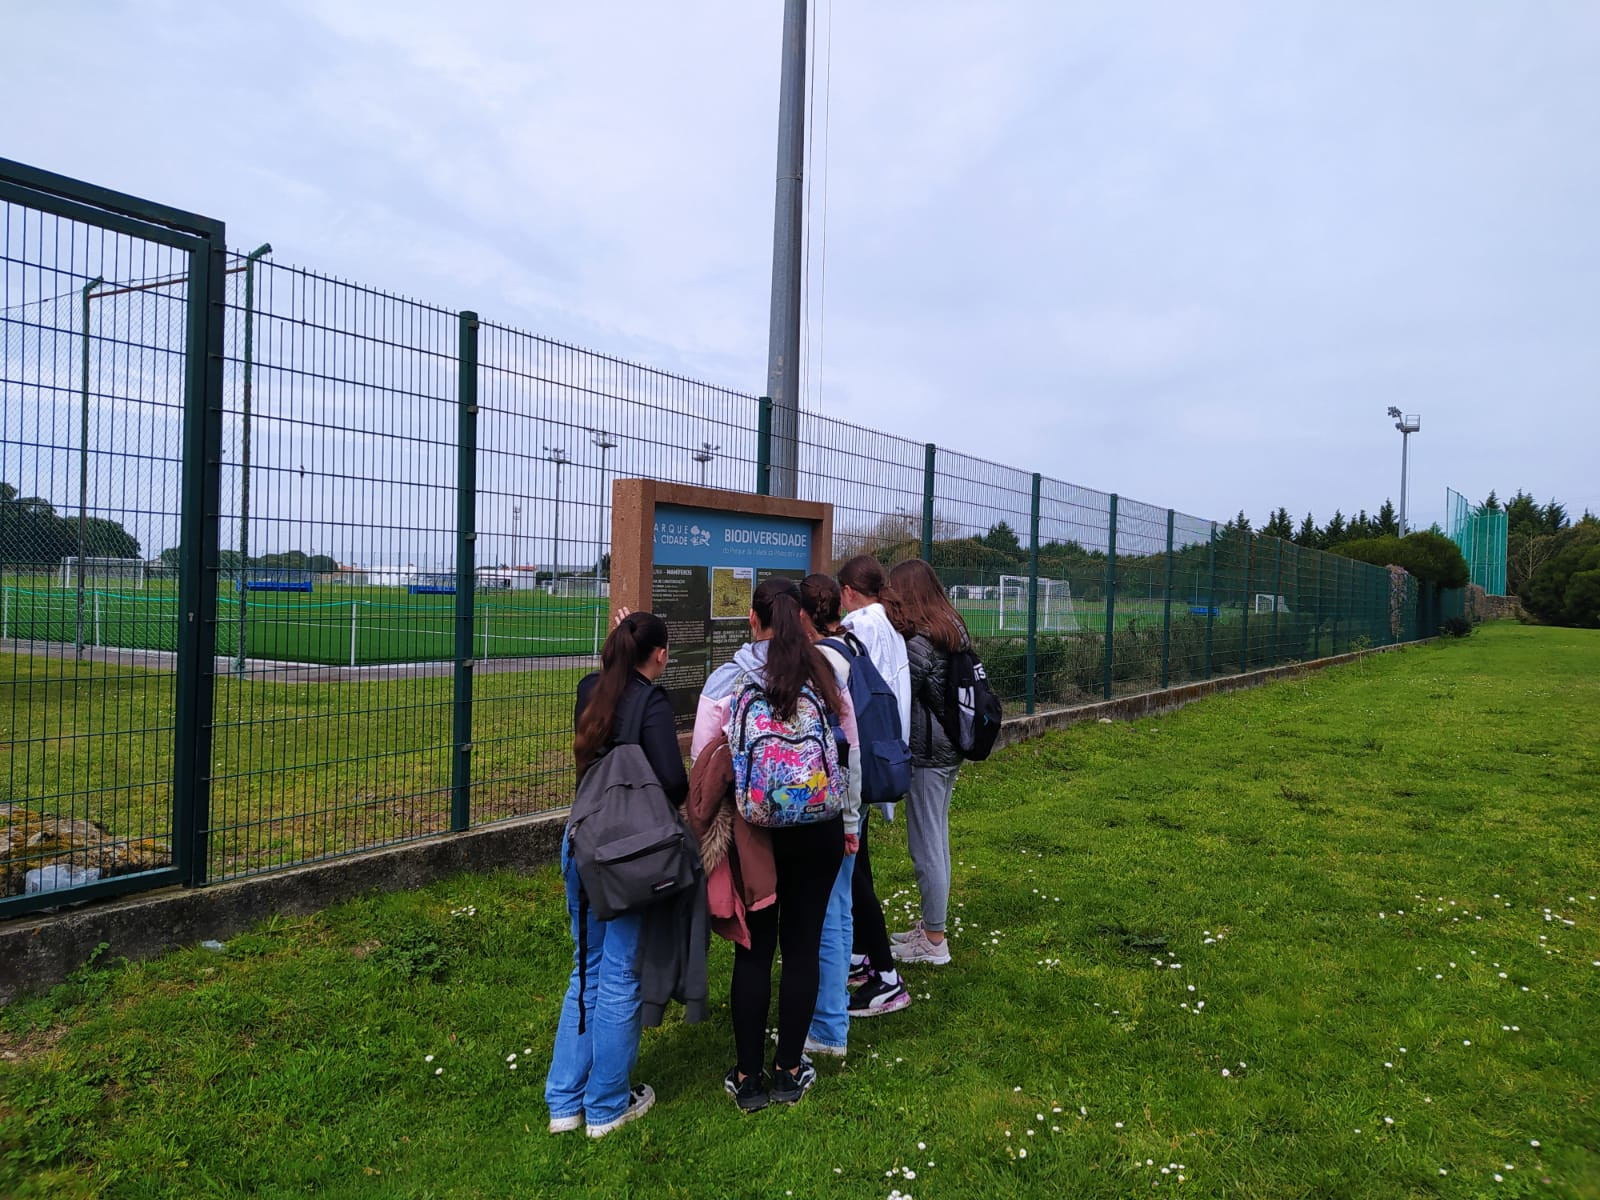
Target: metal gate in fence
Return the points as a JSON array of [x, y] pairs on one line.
[[110, 385]]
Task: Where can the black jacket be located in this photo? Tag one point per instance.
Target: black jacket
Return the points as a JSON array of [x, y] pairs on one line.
[[930, 672], [658, 737], [675, 934]]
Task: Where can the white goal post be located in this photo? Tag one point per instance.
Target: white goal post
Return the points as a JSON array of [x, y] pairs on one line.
[[1266, 602], [118, 572], [1055, 612]]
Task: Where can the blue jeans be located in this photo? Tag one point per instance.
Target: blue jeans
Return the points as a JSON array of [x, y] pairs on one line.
[[830, 1023], [590, 1072]]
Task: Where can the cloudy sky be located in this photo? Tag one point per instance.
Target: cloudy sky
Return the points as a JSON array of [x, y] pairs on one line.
[[1188, 253]]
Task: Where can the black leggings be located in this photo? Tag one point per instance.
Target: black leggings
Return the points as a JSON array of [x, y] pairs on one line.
[[871, 933], [807, 858]]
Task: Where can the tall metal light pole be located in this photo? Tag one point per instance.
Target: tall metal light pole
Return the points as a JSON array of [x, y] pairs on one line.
[[83, 457], [703, 456], [1407, 424], [557, 455], [783, 338], [516, 535], [603, 442]]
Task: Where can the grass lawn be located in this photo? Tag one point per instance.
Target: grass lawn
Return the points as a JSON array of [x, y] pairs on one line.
[[1335, 937]]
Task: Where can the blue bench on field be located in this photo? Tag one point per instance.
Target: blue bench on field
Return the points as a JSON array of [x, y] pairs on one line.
[[278, 585], [1200, 610], [431, 589]]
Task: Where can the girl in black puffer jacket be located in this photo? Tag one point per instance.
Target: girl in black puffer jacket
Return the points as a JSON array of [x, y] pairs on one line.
[[933, 630]]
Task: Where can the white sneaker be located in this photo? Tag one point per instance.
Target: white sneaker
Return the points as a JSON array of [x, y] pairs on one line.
[[815, 1047], [907, 934], [639, 1102], [919, 949], [566, 1124]]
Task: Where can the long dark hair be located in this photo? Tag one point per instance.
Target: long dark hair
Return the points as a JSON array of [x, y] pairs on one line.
[[819, 598], [631, 643], [918, 604], [792, 661], [864, 574]]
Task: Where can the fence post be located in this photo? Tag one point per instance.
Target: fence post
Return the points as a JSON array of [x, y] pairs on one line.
[[244, 448], [929, 457], [466, 573], [1166, 612], [764, 447], [1033, 596], [1316, 629], [1338, 609], [1277, 590], [1244, 608], [197, 569], [1211, 594], [1111, 590]]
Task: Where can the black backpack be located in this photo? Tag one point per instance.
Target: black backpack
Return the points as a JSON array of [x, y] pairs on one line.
[[628, 842], [885, 760], [972, 714]]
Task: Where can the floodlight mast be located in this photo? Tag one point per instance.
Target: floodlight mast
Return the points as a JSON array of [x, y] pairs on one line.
[[604, 442], [558, 456], [1407, 424], [703, 456]]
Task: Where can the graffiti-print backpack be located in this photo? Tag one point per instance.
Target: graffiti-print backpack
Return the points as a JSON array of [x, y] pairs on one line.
[[784, 772]]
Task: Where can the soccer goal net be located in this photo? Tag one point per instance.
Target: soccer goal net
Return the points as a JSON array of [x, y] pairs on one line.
[[1266, 602], [580, 586], [1055, 605], [103, 572]]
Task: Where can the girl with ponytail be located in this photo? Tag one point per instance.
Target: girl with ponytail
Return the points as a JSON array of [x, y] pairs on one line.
[[590, 1070], [780, 658]]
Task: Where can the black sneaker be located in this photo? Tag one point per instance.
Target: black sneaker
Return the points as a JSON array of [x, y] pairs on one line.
[[875, 997], [751, 1095], [789, 1086]]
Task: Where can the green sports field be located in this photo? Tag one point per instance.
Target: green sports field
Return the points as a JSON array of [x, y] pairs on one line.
[[336, 626]]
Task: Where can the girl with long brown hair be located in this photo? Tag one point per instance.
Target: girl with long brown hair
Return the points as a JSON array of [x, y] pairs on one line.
[[933, 630], [590, 1070], [862, 590]]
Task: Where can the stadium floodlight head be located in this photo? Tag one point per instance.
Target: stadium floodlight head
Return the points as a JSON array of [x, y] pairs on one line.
[[703, 456]]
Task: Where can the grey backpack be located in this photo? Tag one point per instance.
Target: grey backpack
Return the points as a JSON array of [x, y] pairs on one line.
[[628, 842]]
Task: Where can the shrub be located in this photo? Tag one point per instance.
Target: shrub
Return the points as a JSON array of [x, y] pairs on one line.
[[1456, 627], [1565, 590]]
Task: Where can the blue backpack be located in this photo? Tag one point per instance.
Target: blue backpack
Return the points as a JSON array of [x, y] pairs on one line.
[[885, 759]]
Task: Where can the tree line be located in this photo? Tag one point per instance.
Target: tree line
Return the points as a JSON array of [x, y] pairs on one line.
[[33, 534]]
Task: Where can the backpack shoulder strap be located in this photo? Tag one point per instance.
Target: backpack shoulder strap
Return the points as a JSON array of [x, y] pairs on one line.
[[840, 645], [857, 646]]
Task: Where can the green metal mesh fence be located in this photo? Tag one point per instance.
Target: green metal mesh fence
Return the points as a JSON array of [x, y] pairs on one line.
[[1480, 531], [408, 544]]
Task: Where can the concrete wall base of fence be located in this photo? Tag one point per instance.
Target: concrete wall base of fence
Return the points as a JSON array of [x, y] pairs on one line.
[[1145, 704], [40, 950]]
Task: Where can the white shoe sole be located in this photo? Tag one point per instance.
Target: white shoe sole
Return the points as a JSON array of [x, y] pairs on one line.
[[909, 956], [815, 1047], [633, 1113], [566, 1124]]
